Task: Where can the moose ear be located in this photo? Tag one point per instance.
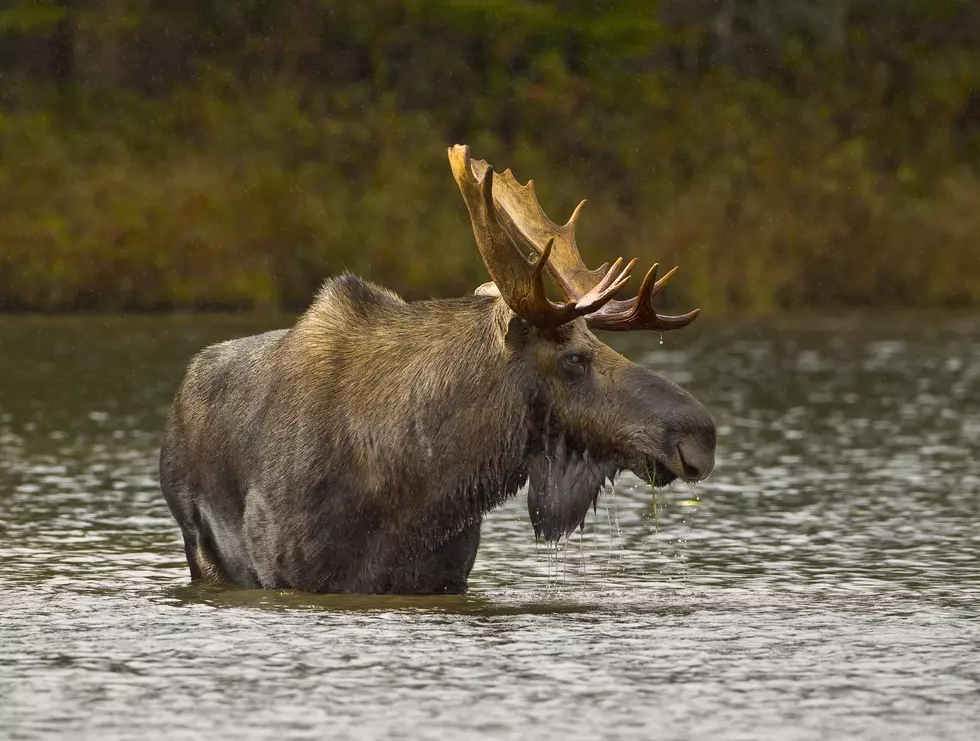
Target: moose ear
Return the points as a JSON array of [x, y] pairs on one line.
[[517, 334], [487, 289]]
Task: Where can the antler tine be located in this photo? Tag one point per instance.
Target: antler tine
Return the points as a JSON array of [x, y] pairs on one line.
[[639, 313], [520, 282], [609, 285]]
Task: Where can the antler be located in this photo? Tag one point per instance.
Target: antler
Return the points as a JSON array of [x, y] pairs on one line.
[[521, 282], [638, 313], [529, 226]]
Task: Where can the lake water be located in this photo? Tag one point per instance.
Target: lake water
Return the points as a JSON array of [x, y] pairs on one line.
[[824, 583]]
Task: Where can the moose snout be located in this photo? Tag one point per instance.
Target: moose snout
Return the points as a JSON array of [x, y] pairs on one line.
[[681, 432]]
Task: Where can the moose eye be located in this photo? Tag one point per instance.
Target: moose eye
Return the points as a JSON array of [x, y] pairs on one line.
[[575, 363]]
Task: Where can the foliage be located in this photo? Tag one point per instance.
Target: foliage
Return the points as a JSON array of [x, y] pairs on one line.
[[233, 153]]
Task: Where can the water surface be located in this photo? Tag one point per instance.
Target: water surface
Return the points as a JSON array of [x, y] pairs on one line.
[[823, 583]]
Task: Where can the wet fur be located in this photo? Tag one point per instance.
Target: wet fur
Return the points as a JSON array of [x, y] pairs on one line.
[[355, 452], [359, 450]]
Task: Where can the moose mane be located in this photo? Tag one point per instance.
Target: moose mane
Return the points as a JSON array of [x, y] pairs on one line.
[[403, 390], [405, 360]]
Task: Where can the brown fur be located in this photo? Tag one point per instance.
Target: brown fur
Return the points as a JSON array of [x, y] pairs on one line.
[[359, 450]]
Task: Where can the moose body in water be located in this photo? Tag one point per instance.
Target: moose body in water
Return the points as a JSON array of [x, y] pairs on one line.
[[359, 450]]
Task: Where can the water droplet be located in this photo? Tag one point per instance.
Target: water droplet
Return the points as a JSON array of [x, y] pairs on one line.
[[661, 338]]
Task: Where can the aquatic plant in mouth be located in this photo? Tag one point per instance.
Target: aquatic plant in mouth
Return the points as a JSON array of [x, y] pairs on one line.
[[652, 483], [693, 501]]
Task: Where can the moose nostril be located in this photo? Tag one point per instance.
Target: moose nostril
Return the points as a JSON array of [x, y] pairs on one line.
[[696, 461], [690, 471]]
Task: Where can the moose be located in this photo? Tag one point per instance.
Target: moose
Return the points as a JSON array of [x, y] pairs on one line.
[[359, 450]]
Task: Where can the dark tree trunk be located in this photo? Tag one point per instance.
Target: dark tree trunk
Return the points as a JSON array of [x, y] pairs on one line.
[[63, 49]]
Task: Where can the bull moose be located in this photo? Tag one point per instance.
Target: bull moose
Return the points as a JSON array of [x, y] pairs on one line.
[[359, 450]]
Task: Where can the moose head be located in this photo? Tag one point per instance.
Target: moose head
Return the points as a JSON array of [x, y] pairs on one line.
[[600, 413]]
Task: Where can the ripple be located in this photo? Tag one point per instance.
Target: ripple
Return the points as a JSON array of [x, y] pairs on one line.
[[822, 584]]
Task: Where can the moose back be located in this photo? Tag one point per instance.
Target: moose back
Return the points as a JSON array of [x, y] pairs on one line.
[[359, 450]]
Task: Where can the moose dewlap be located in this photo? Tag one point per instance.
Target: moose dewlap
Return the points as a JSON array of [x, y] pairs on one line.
[[359, 450]]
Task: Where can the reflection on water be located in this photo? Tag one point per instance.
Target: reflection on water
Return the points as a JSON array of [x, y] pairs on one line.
[[824, 583]]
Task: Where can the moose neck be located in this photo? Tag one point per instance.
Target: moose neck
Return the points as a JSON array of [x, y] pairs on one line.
[[426, 397]]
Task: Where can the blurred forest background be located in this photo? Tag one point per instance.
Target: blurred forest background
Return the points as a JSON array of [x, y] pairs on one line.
[[787, 154]]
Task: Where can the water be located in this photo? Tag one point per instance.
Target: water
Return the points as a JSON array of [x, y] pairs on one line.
[[823, 583]]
